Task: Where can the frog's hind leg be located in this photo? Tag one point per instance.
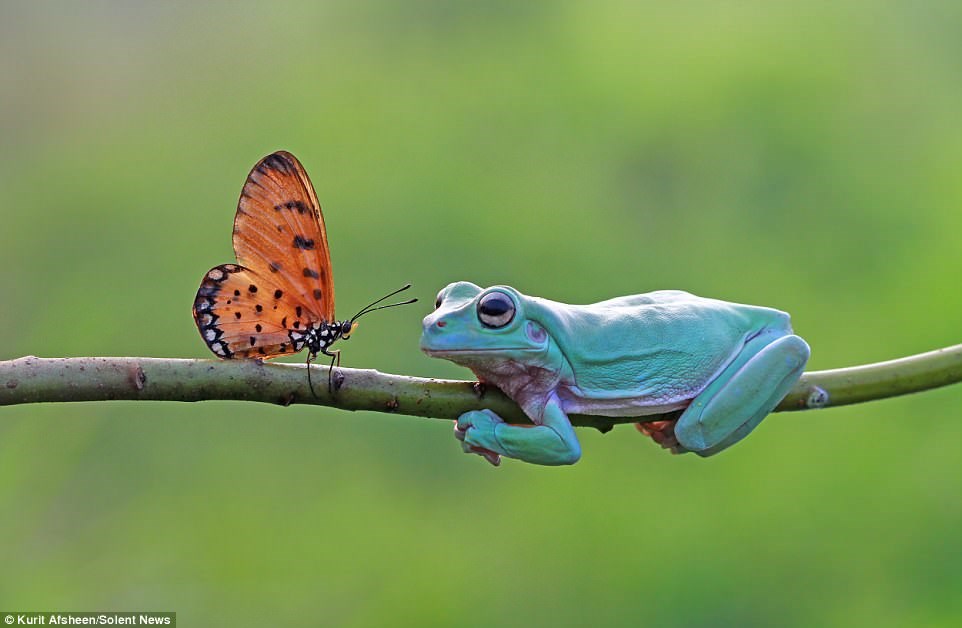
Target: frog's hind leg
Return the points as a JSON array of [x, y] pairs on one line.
[[742, 395]]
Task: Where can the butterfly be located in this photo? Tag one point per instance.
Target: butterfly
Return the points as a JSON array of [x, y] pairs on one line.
[[279, 298]]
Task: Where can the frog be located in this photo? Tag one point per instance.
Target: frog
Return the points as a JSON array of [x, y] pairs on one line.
[[721, 367]]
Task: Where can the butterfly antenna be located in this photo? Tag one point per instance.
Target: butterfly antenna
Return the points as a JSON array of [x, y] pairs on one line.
[[370, 307]]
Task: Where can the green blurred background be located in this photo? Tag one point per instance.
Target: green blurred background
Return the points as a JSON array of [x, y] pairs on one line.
[[806, 158]]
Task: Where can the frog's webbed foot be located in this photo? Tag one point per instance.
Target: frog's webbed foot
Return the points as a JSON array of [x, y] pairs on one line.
[[550, 441], [663, 433], [475, 431]]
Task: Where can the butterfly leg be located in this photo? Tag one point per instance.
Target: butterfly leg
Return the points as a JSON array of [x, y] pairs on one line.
[[335, 361], [310, 357]]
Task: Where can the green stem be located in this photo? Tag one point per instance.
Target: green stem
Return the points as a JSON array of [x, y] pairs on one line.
[[856, 384], [37, 380]]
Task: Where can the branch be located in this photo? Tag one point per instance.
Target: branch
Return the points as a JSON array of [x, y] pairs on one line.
[[36, 380]]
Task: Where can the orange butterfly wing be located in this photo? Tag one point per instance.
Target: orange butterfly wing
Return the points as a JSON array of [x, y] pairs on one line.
[[285, 280], [279, 233], [241, 316]]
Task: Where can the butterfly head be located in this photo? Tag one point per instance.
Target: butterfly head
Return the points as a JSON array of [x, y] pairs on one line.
[[347, 328]]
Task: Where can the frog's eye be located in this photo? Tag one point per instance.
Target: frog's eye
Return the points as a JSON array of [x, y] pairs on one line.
[[495, 309]]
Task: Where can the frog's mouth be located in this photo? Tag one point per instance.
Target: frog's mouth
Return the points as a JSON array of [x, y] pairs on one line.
[[441, 352]]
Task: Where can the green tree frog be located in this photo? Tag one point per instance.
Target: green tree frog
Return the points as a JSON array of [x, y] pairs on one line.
[[726, 364]]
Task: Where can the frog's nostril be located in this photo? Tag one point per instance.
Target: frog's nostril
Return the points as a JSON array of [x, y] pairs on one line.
[[441, 323]]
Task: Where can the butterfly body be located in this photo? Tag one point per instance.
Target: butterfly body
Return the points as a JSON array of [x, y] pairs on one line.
[[279, 298], [318, 336]]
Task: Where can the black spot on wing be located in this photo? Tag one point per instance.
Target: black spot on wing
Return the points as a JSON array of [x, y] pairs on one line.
[[299, 206], [313, 274], [274, 266], [317, 294], [303, 243]]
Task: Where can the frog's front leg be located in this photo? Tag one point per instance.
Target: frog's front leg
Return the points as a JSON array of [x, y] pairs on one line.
[[550, 441], [743, 394]]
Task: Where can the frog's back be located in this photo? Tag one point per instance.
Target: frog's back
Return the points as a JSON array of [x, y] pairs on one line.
[[658, 349]]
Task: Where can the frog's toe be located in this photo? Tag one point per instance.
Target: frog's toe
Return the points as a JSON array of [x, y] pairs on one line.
[[492, 457], [484, 420], [663, 433], [475, 431]]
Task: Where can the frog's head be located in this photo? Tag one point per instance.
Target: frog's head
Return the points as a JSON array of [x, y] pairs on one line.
[[471, 325]]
